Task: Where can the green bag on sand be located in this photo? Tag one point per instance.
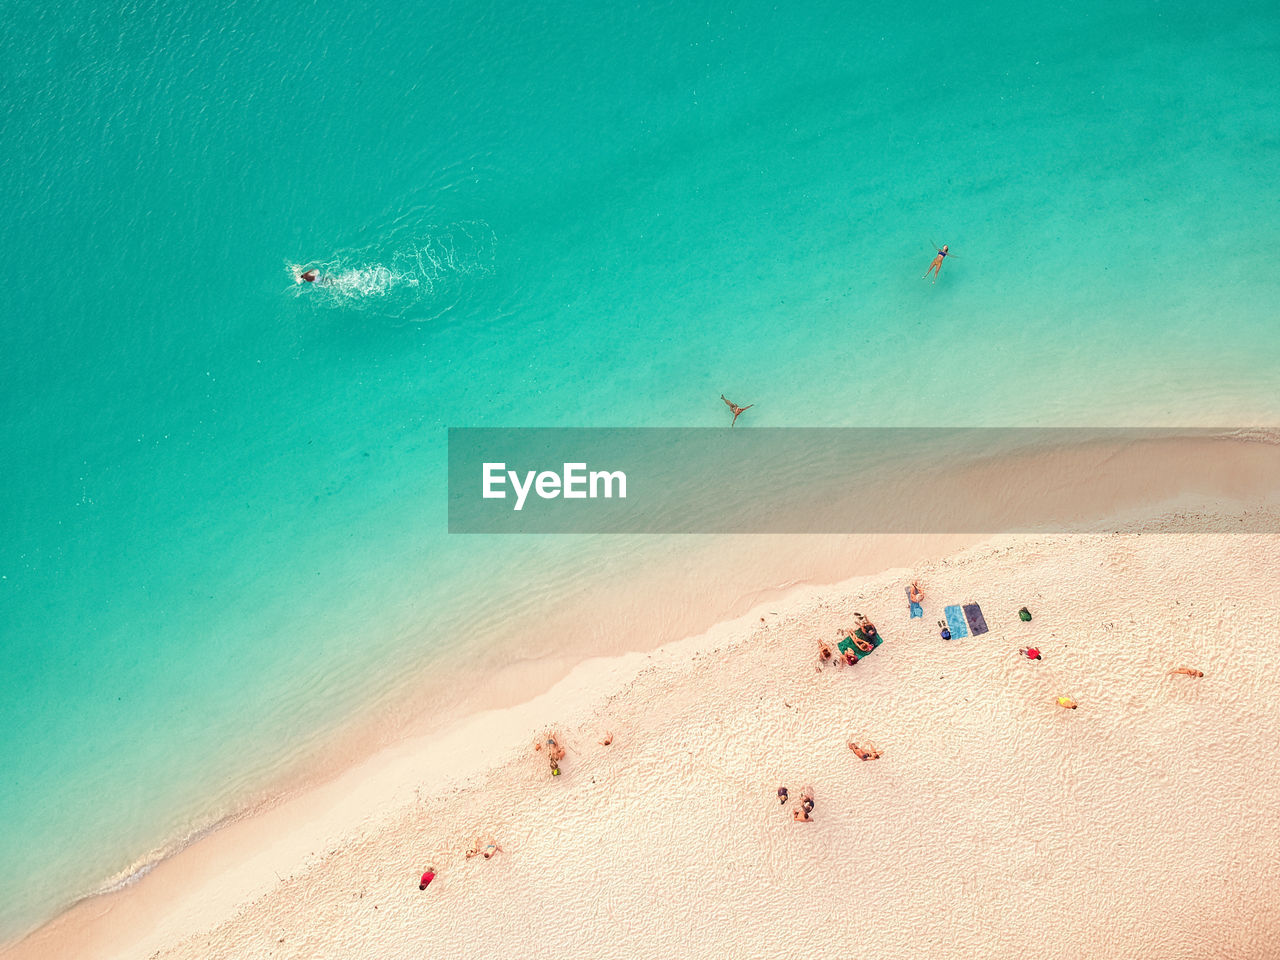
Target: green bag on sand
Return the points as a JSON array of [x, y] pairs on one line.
[[1024, 614]]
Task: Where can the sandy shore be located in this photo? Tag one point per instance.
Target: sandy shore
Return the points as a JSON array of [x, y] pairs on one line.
[[996, 824]]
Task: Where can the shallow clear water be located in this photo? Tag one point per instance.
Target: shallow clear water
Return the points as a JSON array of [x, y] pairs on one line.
[[222, 528]]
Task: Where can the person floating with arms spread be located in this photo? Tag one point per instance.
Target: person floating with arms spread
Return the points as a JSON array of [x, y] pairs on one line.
[[737, 410], [936, 267]]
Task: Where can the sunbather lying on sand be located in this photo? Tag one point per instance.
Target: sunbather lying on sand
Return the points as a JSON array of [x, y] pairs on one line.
[[866, 646], [849, 658], [1067, 702], [864, 753], [1185, 672], [865, 625], [801, 815], [485, 849]]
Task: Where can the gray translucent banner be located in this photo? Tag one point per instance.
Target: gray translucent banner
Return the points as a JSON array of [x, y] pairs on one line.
[[858, 480]]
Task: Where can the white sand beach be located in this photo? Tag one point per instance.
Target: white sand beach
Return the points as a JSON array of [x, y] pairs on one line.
[[996, 824]]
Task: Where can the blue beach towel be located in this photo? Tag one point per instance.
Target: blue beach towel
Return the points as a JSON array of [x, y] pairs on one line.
[[955, 622], [977, 623], [916, 609]]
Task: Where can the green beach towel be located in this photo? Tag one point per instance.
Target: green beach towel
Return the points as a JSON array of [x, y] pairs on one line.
[[848, 644]]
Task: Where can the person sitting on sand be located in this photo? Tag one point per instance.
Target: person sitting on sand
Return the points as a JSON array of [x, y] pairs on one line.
[[554, 750], [806, 799], [916, 594], [427, 878], [864, 753], [865, 625], [606, 739], [849, 658], [945, 632], [782, 795], [1185, 672], [801, 815], [824, 652], [1031, 653], [484, 849]]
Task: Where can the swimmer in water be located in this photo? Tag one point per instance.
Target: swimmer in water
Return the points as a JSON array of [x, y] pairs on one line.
[[737, 410], [936, 267], [308, 276]]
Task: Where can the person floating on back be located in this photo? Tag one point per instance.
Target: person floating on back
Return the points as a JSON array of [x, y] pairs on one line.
[[936, 267], [737, 410]]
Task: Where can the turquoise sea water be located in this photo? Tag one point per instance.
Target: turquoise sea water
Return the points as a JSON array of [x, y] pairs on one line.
[[222, 503]]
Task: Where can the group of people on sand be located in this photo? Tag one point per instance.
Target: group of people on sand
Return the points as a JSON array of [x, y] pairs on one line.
[[865, 643], [480, 847], [555, 752], [802, 811], [487, 847], [1069, 703], [550, 742]]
